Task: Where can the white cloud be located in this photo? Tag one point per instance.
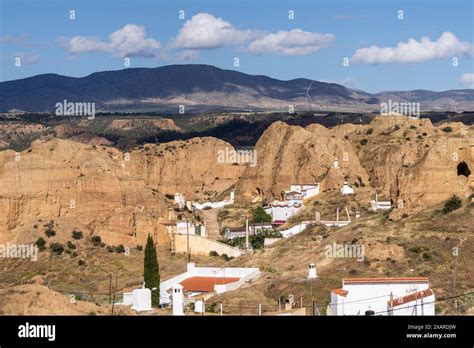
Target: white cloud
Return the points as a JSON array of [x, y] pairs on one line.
[[412, 51], [129, 41], [27, 58], [14, 39], [291, 43], [204, 31], [84, 44], [467, 80]]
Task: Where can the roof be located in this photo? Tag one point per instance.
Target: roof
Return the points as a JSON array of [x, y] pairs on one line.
[[205, 284], [412, 297], [278, 222], [293, 192], [340, 292], [385, 280]]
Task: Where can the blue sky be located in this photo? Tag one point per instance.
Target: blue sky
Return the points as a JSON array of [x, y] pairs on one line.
[[259, 33]]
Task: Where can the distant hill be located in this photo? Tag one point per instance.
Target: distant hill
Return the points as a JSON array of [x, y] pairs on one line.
[[204, 86]]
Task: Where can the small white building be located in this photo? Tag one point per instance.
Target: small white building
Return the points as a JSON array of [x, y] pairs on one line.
[[383, 296], [254, 228], [184, 227], [281, 211], [139, 299], [179, 200], [214, 205], [376, 204], [207, 280], [347, 189], [300, 192]]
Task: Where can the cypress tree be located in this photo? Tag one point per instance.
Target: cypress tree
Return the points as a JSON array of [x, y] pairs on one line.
[[151, 271]]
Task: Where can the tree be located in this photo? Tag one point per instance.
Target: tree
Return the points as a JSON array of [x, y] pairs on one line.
[[151, 271], [259, 215]]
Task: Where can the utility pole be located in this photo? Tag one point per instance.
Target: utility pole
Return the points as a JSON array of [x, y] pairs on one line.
[[115, 290], [247, 233], [187, 238], [110, 288], [455, 254], [422, 309]]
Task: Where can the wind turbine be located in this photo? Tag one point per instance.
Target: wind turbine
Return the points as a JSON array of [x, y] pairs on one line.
[[308, 97]]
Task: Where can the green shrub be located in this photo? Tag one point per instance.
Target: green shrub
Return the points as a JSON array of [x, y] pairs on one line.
[[77, 234], [110, 248], [57, 248], [426, 256], [71, 245], [415, 249], [49, 233], [452, 204], [364, 141], [447, 129], [139, 247], [41, 244], [81, 262], [213, 253], [96, 241], [370, 131], [259, 215], [119, 249]]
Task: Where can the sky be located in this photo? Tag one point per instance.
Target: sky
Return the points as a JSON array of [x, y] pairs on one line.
[[363, 44]]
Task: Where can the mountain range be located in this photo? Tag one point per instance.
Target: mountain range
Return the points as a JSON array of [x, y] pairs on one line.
[[207, 87]]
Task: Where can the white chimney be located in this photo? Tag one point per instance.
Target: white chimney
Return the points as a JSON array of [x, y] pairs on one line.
[[189, 205], [312, 271], [232, 196], [178, 303]]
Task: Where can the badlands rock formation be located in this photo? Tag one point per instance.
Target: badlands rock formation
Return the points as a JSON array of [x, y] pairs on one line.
[[129, 124], [121, 196], [191, 167], [408, 160], [292, 154], [102, 191]]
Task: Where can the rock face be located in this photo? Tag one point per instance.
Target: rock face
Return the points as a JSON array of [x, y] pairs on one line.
[[79, 134], [103, 191], [191, 167], [407, 160], [292, 155], [76, 186], [122, 196], [129, 124], [16, 132], [417, 164]]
